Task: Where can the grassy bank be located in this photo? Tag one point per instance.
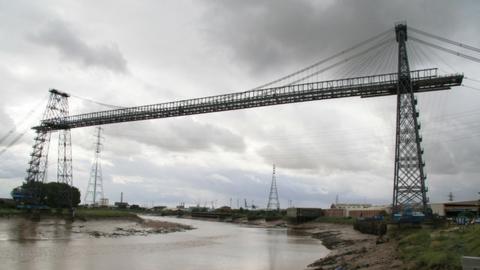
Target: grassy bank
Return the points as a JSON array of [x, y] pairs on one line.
[[437, 249]]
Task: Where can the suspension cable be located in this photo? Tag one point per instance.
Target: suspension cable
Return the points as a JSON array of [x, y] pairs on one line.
[[98, 102], [468, 57], [323, 60], [444, 39], [342, 61], [15, 140], [27, 116]]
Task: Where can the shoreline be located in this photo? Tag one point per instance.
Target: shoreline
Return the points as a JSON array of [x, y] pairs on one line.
[[260, 223], [350, 249]]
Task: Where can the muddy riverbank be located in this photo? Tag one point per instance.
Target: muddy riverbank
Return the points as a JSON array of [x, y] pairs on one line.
[[350, 249]]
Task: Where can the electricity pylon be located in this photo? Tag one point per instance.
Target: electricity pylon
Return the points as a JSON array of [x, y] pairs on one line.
[[273, 203], [95, 183]]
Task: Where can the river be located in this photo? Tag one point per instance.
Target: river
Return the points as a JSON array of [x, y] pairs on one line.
[[52, 245]]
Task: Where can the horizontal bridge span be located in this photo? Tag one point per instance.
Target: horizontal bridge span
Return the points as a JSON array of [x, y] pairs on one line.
[[368, 86]]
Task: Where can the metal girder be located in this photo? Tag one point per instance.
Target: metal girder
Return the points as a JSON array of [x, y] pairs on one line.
[[368, 86]]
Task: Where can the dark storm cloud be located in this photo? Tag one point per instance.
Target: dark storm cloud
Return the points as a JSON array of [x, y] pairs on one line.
[[57, 34], [265, 35]]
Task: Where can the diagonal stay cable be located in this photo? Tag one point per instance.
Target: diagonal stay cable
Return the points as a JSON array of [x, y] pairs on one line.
[[323, 61], [98, 102], [468, 57], [15, 140], [444, 39], [342, 61], [35, 108]]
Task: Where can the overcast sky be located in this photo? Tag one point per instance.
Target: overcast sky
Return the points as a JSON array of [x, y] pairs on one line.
[[130, 53]]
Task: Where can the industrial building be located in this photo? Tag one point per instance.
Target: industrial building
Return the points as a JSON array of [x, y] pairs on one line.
[[356, 210], [303, 214], [452, 209]]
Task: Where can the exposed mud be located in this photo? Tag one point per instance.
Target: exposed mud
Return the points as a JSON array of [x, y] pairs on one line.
[[143, 228], [351, 249]]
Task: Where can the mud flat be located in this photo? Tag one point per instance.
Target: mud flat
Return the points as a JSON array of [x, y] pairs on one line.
[[350, 249], [21, 228], [143, 227]]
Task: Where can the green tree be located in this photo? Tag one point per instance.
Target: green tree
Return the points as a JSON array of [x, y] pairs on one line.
[[53, 194]]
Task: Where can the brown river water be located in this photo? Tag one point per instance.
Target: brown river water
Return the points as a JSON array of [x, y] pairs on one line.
[[54, 244]]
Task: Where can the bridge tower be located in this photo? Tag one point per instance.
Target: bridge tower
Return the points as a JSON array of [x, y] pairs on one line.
[[273, 203], [95, 184], [409, 178], [57, 107]]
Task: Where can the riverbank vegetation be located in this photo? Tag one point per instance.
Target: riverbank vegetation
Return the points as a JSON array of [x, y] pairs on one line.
[[41, 195], [436, 248]]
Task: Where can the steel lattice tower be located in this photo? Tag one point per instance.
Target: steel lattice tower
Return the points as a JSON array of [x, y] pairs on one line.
[[95, 184], [57, 107], [273, 203], [409, 189]]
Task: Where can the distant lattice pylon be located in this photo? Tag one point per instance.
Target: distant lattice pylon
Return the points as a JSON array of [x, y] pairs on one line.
[[95, 183], [273, 203]]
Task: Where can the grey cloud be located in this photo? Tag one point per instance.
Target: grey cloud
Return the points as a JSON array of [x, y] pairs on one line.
[[7, 124], [180, 135], [58, 35]]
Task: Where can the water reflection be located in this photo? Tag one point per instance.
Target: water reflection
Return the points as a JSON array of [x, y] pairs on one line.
[[272, 248]]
